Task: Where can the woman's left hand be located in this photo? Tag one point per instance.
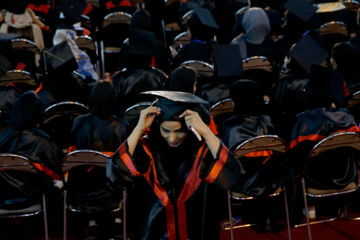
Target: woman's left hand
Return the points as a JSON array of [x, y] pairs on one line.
[[193, 120]]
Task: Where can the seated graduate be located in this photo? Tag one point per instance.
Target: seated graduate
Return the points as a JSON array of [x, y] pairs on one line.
[[326, 116], [203, 27], [23, 137], [138, 76], [250, 119], [174, 180]]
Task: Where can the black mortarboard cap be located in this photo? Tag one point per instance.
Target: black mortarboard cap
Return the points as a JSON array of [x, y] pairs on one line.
[[58, 58], [307, 52], [228, 61], [173, 103], [72, 9], [17, 6], [302, 9], [143, 42], [325, 82], [205, 17]]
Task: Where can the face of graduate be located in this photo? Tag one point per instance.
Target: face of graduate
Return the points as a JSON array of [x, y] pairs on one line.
[[173, 134]]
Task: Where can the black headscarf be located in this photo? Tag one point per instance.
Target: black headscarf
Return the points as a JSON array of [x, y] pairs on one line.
[[27, 111], [102, 99], [247, 97], [181, 79]]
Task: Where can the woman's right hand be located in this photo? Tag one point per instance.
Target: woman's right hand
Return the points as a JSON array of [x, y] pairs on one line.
[[147, 117]]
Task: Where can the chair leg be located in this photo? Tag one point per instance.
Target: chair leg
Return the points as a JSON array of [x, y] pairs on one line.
[[65, 215], [45, 217], [230, 215], [102, 53], [306, 208], [287, 214], [124, 214]]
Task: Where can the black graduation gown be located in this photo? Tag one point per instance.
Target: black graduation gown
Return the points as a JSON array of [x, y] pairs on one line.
[[311, 127], [132, 81], [196, 50], [102, 134], [260, 179], [159, 208]]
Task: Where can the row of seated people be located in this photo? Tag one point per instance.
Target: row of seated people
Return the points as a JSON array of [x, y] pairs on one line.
[[249, 119], [253, 37]]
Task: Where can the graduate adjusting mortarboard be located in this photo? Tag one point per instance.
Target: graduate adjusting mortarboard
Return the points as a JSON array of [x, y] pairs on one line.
[[228, 61], [173, 103], [302, 9], [307, 52]]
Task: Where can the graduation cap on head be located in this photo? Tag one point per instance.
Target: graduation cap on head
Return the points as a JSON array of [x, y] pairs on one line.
[[173, 103], [307, 52], [302, 9], [59, 59], [228, 61], [144, 42], [205, 17], [325, 82], [72, 9]]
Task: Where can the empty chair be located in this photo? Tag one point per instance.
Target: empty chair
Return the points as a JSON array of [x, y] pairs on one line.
[[115, 29], [222, 110], [180, 40], [203, 69], [132, 113], [333, 150], [334, 32], [15, 169], [86, 188], [23, 80], [59, 119], [264, 161]]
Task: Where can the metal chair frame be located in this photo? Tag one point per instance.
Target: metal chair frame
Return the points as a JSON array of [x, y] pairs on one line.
[[202, 68], [22, 163], [259, 143], [334, 141]]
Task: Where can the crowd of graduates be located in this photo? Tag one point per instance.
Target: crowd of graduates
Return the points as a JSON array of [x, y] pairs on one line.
[[303, 97]]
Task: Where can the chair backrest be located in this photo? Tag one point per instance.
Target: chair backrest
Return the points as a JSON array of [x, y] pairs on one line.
[[24, 44], [59, 119], [241, 10], [186, 17], [83, 157], [19, 77], [334, 27], [116, 17], [16, 162], [257, 62], [181, 39], [132, 113], [203, 69], [223, 106], [260, 143], [85, 42], [352, 5], [334, 141]]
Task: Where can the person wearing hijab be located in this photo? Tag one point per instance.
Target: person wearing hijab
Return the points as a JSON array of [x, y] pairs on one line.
[[139, 75], [182, 79], [102, 131], [23, 137], [256, 39], [202, 27], [174, 180]]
